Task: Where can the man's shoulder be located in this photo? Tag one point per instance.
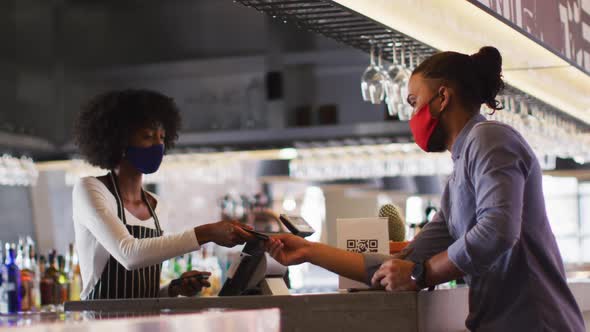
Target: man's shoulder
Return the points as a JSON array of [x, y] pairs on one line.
[[495, 131], [493, 135]]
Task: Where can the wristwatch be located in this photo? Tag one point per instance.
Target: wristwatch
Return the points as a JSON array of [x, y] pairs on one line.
[[419, 275]]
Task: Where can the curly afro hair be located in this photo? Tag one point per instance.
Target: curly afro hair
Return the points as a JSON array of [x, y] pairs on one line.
[[105, 124]]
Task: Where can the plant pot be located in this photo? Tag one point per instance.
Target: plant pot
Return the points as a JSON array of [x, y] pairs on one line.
[[397, 246]]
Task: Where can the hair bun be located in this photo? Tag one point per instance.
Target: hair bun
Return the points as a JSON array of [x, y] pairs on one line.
[[488, 65]]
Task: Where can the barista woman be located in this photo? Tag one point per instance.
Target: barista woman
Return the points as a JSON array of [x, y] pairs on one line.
[[120, 228]]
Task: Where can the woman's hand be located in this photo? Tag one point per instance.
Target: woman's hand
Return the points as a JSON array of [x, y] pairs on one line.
[[288, 249], [223, 233], [394, 275], [191, 283]]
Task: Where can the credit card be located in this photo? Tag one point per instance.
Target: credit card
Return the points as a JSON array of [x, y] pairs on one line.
[[259, 235]]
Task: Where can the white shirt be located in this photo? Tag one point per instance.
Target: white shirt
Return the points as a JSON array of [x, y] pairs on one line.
[[100, 233]]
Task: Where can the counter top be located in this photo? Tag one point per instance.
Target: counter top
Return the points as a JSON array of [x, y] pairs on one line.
[[445, 309], [441, 310], [213, 321], [46, 317], [370, 311]]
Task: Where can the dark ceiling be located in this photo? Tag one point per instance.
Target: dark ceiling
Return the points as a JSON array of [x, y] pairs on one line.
[[48, 45]]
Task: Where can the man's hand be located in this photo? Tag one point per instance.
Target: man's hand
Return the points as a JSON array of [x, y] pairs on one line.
[[288, 249], [395, 275]]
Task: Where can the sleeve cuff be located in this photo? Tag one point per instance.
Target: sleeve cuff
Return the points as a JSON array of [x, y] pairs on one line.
[[194, 239], [458, 255]]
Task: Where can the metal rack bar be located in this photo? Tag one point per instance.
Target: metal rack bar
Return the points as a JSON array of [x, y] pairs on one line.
[[341, 22], [347, 27], [281, 3], [292, 5], [335, 21]]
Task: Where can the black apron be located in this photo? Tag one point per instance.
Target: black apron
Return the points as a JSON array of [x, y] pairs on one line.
[[116, 282]]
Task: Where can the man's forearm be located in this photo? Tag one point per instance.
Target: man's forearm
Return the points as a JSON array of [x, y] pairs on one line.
[[440, 269], [345, 263]]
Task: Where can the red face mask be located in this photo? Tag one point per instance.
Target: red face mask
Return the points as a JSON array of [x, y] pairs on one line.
[[423, 125]]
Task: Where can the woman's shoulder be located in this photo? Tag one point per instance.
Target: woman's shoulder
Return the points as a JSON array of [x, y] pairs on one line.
[[89, 182], [90, 193], [90, 186]]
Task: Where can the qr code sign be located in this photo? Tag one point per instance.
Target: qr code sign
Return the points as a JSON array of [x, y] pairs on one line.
[[361, 246]]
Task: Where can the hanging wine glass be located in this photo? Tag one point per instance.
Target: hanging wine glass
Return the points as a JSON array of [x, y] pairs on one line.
[[371, 82], [419, 60], [395, 66], [403, 79], [392, 98], [389, 93]]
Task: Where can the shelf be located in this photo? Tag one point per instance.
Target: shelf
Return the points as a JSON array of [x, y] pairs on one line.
[[337, 22], [361, 132], [19, 142]]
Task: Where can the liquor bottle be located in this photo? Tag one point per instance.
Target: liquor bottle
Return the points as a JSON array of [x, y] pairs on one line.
[[44, 284], [42, 263], [164, 278], [210, 263], [12, 283], [3, 304], [63, 280], [49, 283], [53, 270], [68, 257], [178, 267], [37, 277], [27, 277], [19, 260], [189, 262], [75, 276]]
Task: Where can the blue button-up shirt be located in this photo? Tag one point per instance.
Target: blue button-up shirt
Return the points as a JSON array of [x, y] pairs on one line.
[[494, 225]]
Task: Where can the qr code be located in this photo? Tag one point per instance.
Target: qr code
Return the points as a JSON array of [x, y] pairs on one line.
[[361, 246]]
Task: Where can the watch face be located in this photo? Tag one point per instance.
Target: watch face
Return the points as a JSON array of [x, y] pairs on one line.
[[418, 272]]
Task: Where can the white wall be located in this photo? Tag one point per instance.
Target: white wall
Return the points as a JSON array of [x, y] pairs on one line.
[[344, 202], [52, 212], [15, 217]]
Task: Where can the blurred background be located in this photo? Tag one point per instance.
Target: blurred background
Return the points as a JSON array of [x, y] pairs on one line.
[[273, 118]]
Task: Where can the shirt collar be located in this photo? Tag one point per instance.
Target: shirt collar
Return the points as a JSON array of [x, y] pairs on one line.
[[458, 145]]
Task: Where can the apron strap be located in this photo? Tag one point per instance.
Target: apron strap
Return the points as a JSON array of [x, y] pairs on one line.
[[144, 195], [114, 188]]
